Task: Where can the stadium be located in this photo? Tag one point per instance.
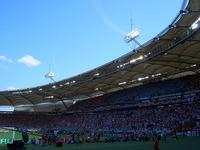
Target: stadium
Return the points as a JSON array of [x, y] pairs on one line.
[[148, 98]]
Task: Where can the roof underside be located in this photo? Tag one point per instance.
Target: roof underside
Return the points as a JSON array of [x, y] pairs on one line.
[[173, 53]]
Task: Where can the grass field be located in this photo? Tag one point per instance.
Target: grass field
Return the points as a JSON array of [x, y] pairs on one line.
[[188, 143], [8, 136]]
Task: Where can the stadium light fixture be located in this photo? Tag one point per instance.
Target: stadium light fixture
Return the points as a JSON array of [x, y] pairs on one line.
[[50, 75], [70, 82], [141, 57], [196, 24], [155, 75], [147, 55], [194, 65], [74, 102], [171, 26], [67, 83], [122, 65], [132, 61], [143, 78], [131, 37], [49, 97], [97, 74], [136, 59], [122, 83]]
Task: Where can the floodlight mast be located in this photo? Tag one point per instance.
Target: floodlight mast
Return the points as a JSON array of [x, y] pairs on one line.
[[50, 75], [131, 37]]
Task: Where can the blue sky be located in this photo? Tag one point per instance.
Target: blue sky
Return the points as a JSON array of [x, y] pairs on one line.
[[70, 37]]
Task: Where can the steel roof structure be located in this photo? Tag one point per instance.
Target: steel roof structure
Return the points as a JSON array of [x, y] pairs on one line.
[[173, 53]]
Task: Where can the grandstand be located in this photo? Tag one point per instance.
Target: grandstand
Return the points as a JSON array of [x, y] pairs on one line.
[[151, 91]]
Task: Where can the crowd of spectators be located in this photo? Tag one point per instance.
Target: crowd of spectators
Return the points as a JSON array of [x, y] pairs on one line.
[[139, 119], [149, 91], [142, 117]]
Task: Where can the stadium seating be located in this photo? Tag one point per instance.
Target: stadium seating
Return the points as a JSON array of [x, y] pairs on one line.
[[176, 106]]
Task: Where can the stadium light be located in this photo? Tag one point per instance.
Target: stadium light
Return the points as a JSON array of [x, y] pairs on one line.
[[49, 97], [143, 78], [196, 24], [171, 26], [194, 65], [136, 59], [122, 83], [97, 74], [131, 36], [50, 75]]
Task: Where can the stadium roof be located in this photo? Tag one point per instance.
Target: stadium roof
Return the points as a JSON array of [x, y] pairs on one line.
[[173, 53]]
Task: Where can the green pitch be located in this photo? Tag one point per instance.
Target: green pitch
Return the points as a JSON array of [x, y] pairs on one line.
[[6, 136], [188, 143]]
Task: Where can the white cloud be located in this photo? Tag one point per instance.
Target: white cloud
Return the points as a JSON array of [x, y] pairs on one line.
[[5, 59], [29, 61]]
